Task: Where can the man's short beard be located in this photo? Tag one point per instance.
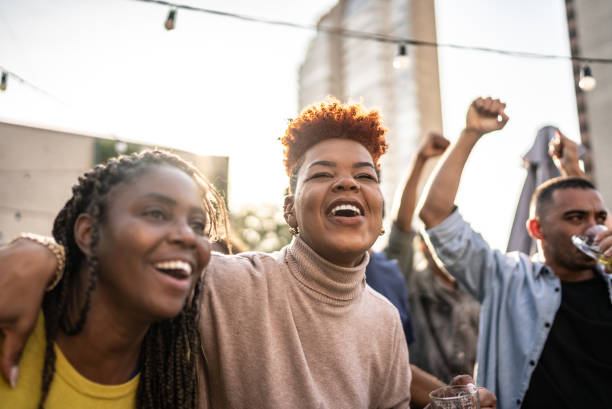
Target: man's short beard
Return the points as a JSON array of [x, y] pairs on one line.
[[579, 265]]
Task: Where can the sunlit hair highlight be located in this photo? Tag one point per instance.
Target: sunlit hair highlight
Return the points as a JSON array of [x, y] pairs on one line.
[[327, 120]]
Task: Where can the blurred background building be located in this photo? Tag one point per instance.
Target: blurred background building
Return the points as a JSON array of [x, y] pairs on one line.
[[361, 71], [39, 166], [590, 33]]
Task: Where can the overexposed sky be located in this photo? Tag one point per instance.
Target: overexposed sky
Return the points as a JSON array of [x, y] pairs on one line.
[[217, 85]]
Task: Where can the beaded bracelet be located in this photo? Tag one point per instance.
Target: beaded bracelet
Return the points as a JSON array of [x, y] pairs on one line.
[[57, 249]]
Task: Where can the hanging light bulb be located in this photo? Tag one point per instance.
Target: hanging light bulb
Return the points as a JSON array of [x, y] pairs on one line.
[[170, 20], [587, 81], [3, 81], [401, 60]]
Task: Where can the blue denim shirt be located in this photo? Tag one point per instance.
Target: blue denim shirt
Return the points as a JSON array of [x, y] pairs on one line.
[[520, 298]]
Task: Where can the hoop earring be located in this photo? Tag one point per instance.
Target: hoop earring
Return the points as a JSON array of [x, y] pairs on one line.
[[382, 231], [294, 231]]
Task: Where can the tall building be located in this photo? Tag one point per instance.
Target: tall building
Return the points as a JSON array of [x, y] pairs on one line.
[[590, 33], [358, 70], [39, 166]]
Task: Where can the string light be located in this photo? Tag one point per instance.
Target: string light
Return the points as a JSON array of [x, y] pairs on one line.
[[401, 61], [5, 74], [587, 81], [170, 20], [385, 38], [3, 81]]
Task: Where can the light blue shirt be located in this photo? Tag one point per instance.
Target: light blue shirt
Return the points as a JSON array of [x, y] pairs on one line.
[[520, 298]]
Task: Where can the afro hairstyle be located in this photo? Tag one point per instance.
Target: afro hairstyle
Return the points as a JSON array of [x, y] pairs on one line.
[[332, 119]]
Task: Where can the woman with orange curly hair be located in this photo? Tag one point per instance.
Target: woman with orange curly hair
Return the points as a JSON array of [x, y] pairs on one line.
[[300, 328]]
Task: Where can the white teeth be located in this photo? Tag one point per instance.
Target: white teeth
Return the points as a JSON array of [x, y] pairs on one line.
[[345, 207], [176, 265]]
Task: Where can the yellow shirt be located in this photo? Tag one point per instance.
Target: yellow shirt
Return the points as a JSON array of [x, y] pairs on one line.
[[69, 389]]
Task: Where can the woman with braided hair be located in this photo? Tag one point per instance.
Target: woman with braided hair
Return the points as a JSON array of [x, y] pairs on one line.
[[119, 329]]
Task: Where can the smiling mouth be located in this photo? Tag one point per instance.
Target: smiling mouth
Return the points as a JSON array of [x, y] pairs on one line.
[[346, 210], [175, 268]]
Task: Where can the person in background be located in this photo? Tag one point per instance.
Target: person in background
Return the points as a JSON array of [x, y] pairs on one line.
[[564, 153], [546, 323], [444, 316]]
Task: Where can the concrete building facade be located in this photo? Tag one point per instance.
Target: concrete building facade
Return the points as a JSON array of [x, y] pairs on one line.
[[590, 33], [357, 70], [38, 168]]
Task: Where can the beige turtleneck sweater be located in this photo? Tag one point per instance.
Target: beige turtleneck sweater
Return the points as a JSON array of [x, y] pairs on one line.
[[291, 330]]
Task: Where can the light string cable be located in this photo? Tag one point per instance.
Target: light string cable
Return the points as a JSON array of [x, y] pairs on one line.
[[385, 38], [36, 88]]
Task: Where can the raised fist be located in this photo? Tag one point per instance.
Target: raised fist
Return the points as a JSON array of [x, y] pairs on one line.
[[486, 115], [564, 152], [433, 145]]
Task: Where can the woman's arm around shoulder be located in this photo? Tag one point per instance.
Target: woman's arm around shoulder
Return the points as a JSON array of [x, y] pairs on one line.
[[26, 268]]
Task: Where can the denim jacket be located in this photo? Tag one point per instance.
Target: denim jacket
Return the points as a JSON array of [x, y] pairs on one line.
[[520, 298]]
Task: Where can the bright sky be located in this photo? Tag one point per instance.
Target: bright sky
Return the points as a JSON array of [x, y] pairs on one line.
[[538, 93], [221, 86]]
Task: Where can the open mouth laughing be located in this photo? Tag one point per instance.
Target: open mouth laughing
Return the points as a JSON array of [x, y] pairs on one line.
[[346, 212], [176, 268]]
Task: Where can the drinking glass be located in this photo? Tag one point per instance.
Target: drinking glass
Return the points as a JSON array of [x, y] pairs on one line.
[[586, 244], [455, 397]]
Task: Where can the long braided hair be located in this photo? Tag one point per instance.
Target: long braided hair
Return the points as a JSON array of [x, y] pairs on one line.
[[169, 350]]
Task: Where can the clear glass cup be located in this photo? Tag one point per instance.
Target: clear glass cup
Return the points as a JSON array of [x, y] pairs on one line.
[[586, 244], [455, 397]]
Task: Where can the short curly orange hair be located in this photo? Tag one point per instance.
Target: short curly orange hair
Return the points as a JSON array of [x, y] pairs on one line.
[[332, 119]]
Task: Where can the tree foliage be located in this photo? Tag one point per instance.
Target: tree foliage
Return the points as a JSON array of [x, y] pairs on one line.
[[261, 228]]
